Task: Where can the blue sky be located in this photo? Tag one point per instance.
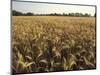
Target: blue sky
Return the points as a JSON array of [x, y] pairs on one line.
[[43, 8]]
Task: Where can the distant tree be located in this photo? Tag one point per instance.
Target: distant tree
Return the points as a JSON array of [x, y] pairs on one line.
[[95, 15], [87, 15], [53, 14], [29, 14], [77, 14], [64, 14], [16, 13], [70, 14]]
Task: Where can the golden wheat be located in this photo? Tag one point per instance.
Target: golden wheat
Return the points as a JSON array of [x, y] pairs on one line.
[[48, 43]]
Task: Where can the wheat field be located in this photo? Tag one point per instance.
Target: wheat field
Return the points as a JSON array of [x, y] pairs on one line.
[[53, 43]]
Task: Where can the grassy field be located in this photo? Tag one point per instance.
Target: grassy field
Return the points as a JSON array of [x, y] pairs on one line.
[[53, 43]]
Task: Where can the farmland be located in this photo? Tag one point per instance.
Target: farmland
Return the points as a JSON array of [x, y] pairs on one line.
[[53, 43]]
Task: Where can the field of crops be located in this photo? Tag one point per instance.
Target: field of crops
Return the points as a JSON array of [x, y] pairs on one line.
[[53, 43]]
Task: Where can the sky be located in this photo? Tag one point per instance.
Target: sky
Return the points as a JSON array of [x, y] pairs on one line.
[[44, 8]]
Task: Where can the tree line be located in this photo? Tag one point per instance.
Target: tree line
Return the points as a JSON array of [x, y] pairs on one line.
[[17, 13]]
